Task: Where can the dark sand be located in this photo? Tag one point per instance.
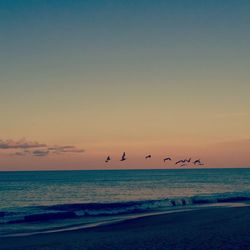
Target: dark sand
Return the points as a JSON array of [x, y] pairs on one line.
[[210, 228]]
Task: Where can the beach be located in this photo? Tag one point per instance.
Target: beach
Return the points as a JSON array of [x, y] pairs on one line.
[[205, 228]]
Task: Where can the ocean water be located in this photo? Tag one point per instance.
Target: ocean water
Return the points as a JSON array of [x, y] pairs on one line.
[[44, 201]]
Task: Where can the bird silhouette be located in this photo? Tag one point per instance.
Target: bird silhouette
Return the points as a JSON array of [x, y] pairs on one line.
[[167, 159], [180, 161], [108, 159], [197, 162], [189, 160], [148, 156], [123, 157]]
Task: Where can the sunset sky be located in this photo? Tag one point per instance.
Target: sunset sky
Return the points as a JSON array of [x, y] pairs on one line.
[[80, 80]]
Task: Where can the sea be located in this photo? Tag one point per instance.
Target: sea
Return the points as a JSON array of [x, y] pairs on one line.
[[34, 202]]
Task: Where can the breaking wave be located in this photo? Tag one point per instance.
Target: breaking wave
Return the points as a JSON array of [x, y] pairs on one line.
[[81, 210]]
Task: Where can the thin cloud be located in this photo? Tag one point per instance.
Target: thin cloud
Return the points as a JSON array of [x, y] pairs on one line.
[[60, 147], [65, 149], [22, 144], [24, 148], [40, 153]]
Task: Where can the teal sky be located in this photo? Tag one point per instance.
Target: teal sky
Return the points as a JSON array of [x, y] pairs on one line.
[[134, 74]]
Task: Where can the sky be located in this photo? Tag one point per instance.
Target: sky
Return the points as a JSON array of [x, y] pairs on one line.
[[80, 80]]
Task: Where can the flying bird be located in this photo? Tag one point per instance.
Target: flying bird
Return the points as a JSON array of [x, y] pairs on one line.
[[180, 161], [197, 162], [123, 157], [189, 160], [167, 159], [148, 156], [108, 159]]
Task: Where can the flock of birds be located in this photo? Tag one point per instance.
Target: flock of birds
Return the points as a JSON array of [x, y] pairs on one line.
[[181, 163]]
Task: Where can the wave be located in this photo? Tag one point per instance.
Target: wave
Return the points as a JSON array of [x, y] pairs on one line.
[[44, 217], [81, 210], [220, 200]]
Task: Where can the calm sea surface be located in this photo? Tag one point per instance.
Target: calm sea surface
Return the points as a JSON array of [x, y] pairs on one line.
[[47, 197]]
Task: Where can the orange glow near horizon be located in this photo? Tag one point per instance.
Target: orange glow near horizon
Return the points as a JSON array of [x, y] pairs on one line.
[[165, 79], [228, 154]]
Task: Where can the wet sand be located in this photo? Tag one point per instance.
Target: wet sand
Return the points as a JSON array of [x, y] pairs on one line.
[[209, 228]]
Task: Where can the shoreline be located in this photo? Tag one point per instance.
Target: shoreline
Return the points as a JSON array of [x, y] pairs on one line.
[[101, 223], [208, 228]]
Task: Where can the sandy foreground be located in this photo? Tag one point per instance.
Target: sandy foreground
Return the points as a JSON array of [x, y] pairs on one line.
[[210, 228]]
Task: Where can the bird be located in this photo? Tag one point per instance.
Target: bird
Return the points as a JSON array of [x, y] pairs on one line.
[[180, 161], [167, 159], [108, 159], [148, 156], [189, 160], [123, 157], [197, 162]]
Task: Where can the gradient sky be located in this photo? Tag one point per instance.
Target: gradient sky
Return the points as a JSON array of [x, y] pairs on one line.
[[161, 77]]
